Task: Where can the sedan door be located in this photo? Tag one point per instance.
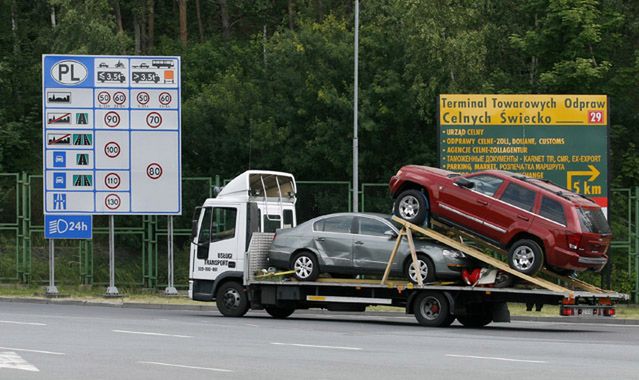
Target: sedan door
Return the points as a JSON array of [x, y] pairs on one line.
[[372, 245], [333, 241]]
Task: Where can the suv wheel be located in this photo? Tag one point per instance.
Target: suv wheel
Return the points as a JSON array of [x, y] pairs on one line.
[[412, 206], [526, 256]]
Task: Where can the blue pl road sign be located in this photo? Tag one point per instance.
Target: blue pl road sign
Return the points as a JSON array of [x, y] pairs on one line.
[[68, 226]]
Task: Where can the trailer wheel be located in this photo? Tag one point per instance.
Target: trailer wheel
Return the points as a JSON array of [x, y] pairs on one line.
[[278, 312], [475, 320], [412, 206], [305, 266], [231, 299], [432, 309]]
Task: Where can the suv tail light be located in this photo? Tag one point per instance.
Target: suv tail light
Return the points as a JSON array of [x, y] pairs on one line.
[[574, 240]]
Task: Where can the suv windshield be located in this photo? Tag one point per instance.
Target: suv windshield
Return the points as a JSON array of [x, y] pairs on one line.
[[593, 220]]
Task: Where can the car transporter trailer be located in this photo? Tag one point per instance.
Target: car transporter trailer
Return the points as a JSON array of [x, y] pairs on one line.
[[433, 304]]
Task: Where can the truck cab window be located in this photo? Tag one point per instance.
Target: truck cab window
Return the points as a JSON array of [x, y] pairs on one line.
[[223, 223], [288, 219], [272, 222]]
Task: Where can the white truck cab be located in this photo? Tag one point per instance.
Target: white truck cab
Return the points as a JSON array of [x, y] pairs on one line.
[[254, 201]]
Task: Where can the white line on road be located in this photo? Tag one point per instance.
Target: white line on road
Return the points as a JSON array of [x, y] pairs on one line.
[[36, 351], [188, 366], [151, 333], [495, 358], [24, 323], [11, 360], [252, 325], [314, 346]]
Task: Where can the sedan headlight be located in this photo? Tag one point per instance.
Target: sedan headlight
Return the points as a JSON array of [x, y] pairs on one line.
[[455, 255]]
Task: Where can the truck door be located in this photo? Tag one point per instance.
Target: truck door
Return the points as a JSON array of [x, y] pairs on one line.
[[218, 245]]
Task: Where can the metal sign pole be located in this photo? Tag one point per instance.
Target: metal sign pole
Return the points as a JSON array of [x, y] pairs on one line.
[[170, 289], [355, 100], [112, 291], [52, 290]]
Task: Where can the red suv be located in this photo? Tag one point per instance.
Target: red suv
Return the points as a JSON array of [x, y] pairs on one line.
[[537, 222]]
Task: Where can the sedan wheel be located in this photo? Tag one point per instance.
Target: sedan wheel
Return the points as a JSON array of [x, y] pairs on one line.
[[305, 266], [426, 269]]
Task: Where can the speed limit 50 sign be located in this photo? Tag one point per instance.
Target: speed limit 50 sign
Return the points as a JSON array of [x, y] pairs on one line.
[[111, 134]]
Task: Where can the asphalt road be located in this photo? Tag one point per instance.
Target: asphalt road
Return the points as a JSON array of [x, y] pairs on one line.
[[45, 341]]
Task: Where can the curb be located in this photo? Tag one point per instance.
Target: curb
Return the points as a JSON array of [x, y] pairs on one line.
[[123, 305], [136, 305]]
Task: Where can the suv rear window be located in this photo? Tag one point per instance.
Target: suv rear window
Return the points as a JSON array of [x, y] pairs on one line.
[[552, 210], [519, 196], [593, 220]]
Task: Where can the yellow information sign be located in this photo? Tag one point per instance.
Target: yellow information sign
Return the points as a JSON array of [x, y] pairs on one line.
[[561, 138], [579, 110]]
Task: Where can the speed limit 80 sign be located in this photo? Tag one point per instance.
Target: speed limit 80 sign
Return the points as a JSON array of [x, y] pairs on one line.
[[116, 122]]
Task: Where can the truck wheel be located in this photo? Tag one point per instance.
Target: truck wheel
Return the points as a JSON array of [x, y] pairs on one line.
[[278, 312], [526, 256], [231, 299], [475, 320], [432, 309], [305, 266], [412, 206], [426, 266]]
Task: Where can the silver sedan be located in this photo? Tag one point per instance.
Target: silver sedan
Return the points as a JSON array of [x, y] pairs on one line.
[[359, 244]]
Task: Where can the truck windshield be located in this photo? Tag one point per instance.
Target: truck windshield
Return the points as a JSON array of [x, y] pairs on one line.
[[593, 220]]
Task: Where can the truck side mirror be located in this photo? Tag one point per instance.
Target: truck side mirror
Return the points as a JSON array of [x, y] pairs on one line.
[[194, 221]]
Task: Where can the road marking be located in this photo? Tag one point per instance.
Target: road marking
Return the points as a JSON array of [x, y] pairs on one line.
[[188, 366], [314, 346], [252, 325], [24, 323], [151, 333], [11, 360], [495, 358], [36, 351]]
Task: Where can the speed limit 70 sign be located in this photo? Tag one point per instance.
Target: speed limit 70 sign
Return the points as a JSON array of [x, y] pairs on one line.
[[112, 134]]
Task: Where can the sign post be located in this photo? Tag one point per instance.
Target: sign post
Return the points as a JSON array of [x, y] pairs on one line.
[[111, 137], [52, 290], [170, 288], [112, 291]]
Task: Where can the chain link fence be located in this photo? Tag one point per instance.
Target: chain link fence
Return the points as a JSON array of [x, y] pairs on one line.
[[141, 241]]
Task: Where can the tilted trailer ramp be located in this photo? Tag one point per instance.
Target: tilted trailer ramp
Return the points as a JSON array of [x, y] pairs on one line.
[[433, 304]]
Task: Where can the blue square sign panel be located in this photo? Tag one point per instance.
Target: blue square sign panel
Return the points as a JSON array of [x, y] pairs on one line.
[[59, 159], [59, 180], [68, 226]]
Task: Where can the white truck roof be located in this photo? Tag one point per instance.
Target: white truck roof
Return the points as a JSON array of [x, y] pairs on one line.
[[260, 185]]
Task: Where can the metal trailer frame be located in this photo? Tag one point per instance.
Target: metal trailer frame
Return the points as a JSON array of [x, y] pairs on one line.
[[435, 304]]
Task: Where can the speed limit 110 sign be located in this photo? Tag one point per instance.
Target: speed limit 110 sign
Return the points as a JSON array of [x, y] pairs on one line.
[[111, 135]]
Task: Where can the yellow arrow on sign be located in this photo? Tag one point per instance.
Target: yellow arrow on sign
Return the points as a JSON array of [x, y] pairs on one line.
[[593, 173]]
